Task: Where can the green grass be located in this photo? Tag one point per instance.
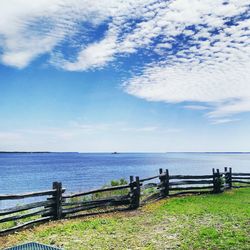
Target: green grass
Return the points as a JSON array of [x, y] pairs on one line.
[[193, 222]]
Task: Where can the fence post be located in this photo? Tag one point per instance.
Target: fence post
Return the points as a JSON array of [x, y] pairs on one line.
[[216, 181], [57, 197], [214, 184], [167, 182], [132, 184], [226, 177], [220, 180], [131, 193], [138, 191], [131, 180], [230, 178], [135, 191], [164, 183]]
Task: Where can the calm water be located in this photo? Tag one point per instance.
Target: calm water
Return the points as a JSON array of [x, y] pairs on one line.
[[31, 172]]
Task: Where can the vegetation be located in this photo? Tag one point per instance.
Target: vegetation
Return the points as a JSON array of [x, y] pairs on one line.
[[112, 183], [192, 222], [14, 223]]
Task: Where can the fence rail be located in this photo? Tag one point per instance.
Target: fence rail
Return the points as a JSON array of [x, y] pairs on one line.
[[27, 195], [97, 191], [240, 180], [57, 205]]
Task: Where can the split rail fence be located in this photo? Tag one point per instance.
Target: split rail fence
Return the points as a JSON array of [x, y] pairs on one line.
[[56, 205]]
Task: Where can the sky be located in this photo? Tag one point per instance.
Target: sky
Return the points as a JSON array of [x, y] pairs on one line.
[[123, 75]]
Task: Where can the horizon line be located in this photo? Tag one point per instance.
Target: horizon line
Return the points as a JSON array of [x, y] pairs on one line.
[[128, 152]]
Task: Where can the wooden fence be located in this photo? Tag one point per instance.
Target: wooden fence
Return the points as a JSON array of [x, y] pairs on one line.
[[55, 204]]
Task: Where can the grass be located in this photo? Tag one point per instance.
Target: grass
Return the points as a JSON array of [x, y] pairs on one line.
[[192, 222]]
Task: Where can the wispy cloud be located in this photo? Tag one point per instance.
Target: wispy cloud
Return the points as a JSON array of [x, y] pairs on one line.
[[32, 28], [84, 136], [150, 129], [200, 54], [10, 136], [222, 121], [196, 107], [211, 60]]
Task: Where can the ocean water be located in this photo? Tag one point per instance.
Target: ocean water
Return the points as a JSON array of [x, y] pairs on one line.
[[22, 172]]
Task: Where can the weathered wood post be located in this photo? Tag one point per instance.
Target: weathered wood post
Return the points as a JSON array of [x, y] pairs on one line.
[[214, 184], [226, 177], [138, 191], [131, 180], [230, 178], [57, 198], [164, 183], [217, 182], [131, 194], [135, 191], [167, 182]]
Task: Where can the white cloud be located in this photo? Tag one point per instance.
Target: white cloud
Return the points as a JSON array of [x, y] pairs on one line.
[[201, 47], [196, 107], [225, 120], [226, 87], [212, 69], [94, 55], [25, 30], [32, 28]]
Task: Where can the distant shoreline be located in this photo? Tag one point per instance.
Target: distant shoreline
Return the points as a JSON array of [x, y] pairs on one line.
[[50, 152], [24, 152]]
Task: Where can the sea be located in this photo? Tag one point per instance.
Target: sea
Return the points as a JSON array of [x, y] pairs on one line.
[[28, 172]]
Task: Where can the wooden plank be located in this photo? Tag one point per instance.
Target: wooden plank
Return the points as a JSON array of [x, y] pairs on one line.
[[137, 192], [94, 202], [150, 185], [97, 191], [167, 183], [246, 182], [149, 178], [162, 184], [240, 186], [96, 213], [22, 216], [26, 195], [98, 206], [190, 177], [5, 231], [190, 188], [25, 207], [240, 174], [230, 178], [190, 192], [57, 197], [190, 182], [241, 178]]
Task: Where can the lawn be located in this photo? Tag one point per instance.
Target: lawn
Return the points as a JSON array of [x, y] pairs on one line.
[[192, 222]]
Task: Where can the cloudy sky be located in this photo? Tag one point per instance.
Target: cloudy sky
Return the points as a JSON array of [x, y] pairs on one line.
[[123, 75]]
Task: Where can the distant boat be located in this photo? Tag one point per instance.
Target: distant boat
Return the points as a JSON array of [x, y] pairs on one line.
[[114, 153]]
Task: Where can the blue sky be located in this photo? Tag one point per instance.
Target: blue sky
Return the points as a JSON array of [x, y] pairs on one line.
[[148, 76]]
